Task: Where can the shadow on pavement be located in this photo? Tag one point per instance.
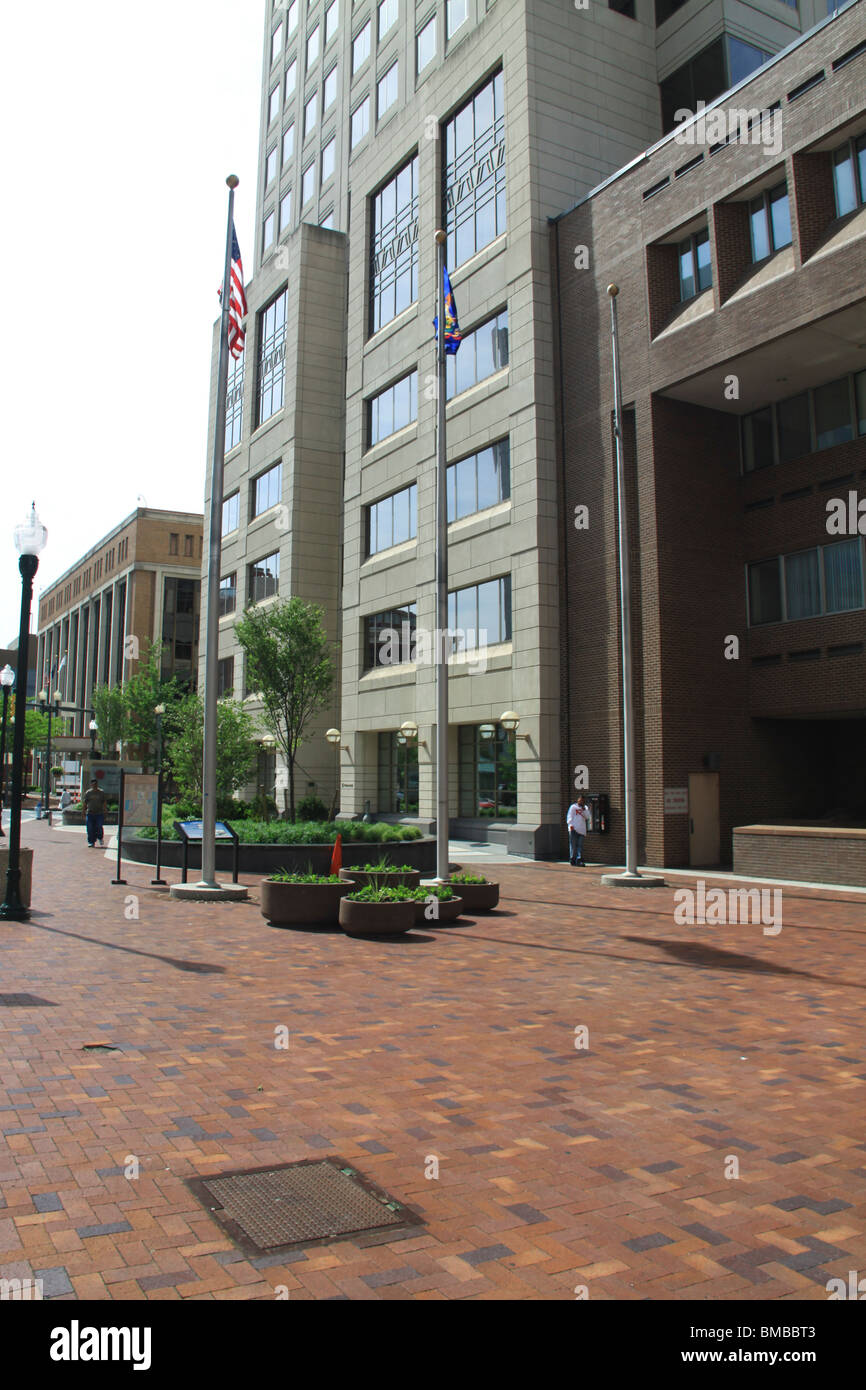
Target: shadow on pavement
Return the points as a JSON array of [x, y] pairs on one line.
[[191, 967]]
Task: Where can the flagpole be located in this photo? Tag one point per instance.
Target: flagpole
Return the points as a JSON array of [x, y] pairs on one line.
[[442, 644], [208, 842]]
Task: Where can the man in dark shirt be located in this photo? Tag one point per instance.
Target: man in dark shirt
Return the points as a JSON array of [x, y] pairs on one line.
[[94, 806]]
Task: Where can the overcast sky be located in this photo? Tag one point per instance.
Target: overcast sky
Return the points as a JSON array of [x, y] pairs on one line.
[[120, 123]]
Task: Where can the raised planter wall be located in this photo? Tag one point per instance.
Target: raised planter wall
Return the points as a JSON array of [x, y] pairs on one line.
[[809, 854], [265, 859]]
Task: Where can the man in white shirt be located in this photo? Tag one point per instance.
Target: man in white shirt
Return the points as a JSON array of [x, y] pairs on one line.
[[577, 820]]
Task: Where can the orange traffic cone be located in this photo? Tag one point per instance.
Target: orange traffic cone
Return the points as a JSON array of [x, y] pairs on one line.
[[337, 856]]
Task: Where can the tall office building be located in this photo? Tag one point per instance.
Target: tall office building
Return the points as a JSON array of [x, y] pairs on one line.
[[381, 123]]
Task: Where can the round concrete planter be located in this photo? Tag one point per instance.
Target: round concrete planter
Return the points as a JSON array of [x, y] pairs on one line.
[[478, 897], [382, 878], [449, 911], [376, 919], [302, 904]]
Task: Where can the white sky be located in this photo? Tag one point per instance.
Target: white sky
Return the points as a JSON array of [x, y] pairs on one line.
[[120, 123]]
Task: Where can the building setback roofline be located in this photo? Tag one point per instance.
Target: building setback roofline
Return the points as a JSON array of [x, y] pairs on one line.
[[139, 514], [724, 97]]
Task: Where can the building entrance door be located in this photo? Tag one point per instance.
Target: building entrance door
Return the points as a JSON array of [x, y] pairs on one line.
[[704, 836]]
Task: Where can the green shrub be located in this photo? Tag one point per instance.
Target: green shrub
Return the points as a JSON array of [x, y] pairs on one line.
[[311, 808], [434, 890], [384, 866], [280, 832], [286, 876], [467, 878], [370, 894]]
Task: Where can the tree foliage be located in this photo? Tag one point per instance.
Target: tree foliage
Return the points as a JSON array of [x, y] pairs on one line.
[[183, 754], [290, 666], [109, 711], [144, 690]]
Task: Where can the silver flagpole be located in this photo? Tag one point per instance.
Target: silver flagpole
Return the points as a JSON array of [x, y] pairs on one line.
[[631, 875], [208, 843], [442, 644]]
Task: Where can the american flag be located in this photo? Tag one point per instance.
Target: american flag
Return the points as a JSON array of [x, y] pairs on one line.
[[237, 300]]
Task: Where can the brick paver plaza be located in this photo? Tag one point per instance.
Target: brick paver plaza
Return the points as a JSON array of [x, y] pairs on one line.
[[559, 1165]]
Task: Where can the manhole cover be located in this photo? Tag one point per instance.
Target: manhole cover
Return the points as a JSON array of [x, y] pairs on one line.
[[313, 1202], [25, 1001]]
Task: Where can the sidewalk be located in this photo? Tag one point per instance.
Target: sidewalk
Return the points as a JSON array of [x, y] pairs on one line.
[[558, 1166]]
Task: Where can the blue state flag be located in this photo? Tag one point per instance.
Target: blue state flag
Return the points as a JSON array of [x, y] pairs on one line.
[[453, 335]]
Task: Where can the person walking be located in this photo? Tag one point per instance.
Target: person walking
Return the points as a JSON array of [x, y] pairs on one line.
[[577, 820], [94, 807]]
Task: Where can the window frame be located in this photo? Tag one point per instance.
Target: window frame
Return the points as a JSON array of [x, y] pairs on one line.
[[372, 401], [372, 507], [254, 564], [255, 510]]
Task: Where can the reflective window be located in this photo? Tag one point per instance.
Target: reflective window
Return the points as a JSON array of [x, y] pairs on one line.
[[311, 114], [802, 586], [833, 423], [286, 211], [386, 91], [276, 43], [328, 220], [456, 13], [393, 520], [329, 89], [332, 20], [389, 637], [770, 222], [288, 144], [329, 159], [397, 775], [225, 677], [313, 46], [694, 265], [271, 166], [487, 772], [231, 513], [479, 481], [425, 45], [292, 17], [743, 59], [843, 576], [480, 615], [798, 596], [291, 78], [272, 359], [268, 231], [482, 352], [849, 176], [274, 105], [234, 402], [360, 121], [267, 490], [264, 578], [394, 248], [392, 409], [475, 173], [361, 47], [388, 11], [308, 184], [228, 595]]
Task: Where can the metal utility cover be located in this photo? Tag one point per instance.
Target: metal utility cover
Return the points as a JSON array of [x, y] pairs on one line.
[[292, 1205]]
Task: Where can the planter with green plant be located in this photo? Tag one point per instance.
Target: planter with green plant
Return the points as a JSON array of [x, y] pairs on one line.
[[378, 911], [479, 894], [447, 907], [302, 899], [383, 874]]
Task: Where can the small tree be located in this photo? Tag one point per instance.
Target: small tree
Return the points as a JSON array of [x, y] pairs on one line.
[[142, 693], [289, 664], [109, 711], [35, 731], [184, 746]]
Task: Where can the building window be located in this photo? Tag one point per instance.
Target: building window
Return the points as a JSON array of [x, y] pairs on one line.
[[272, 359], [475, 173], [286, 210], [329, 160], [721, 65], [665, 8], [456, 14], [482, 352], [328, 220], [308, 184], [425, 45], [291, 78], [849, 176], [623, 7], [789, 587], [274, 105], [271, 167], [360, 121], [311, 114], [817, 419], [770, 222], [173, 545], [361, 47], [292, 18], [179, 628], [389, 638], [228, 595], [234, 401], [332, 20], [480, 615], [482, 480], [487, 772], [225, 677], [187, 546], [276, 43], [267, 490], [329, 90], [313, 46], [398, 776], [231, 513], [264, 578], [394, 247], [388, 11], [393, 520], [288, 144], [269, 231], [696, 272], [386, 91], [392, 409]]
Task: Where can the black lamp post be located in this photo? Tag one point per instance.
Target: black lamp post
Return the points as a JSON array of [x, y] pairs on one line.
[[7, 680], [159, 711], [52, 707], [30, 538]]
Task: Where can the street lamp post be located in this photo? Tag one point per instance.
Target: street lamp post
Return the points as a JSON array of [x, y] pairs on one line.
[[7, 680], [159, 711], [30, 538]]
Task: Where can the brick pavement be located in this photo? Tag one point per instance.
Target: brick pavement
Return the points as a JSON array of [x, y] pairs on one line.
[[602, 1166]]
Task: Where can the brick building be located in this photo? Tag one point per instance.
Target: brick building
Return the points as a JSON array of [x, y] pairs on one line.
[[140, 581], [739, 249]]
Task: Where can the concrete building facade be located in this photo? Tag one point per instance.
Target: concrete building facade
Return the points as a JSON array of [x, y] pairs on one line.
[[140, 583]]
